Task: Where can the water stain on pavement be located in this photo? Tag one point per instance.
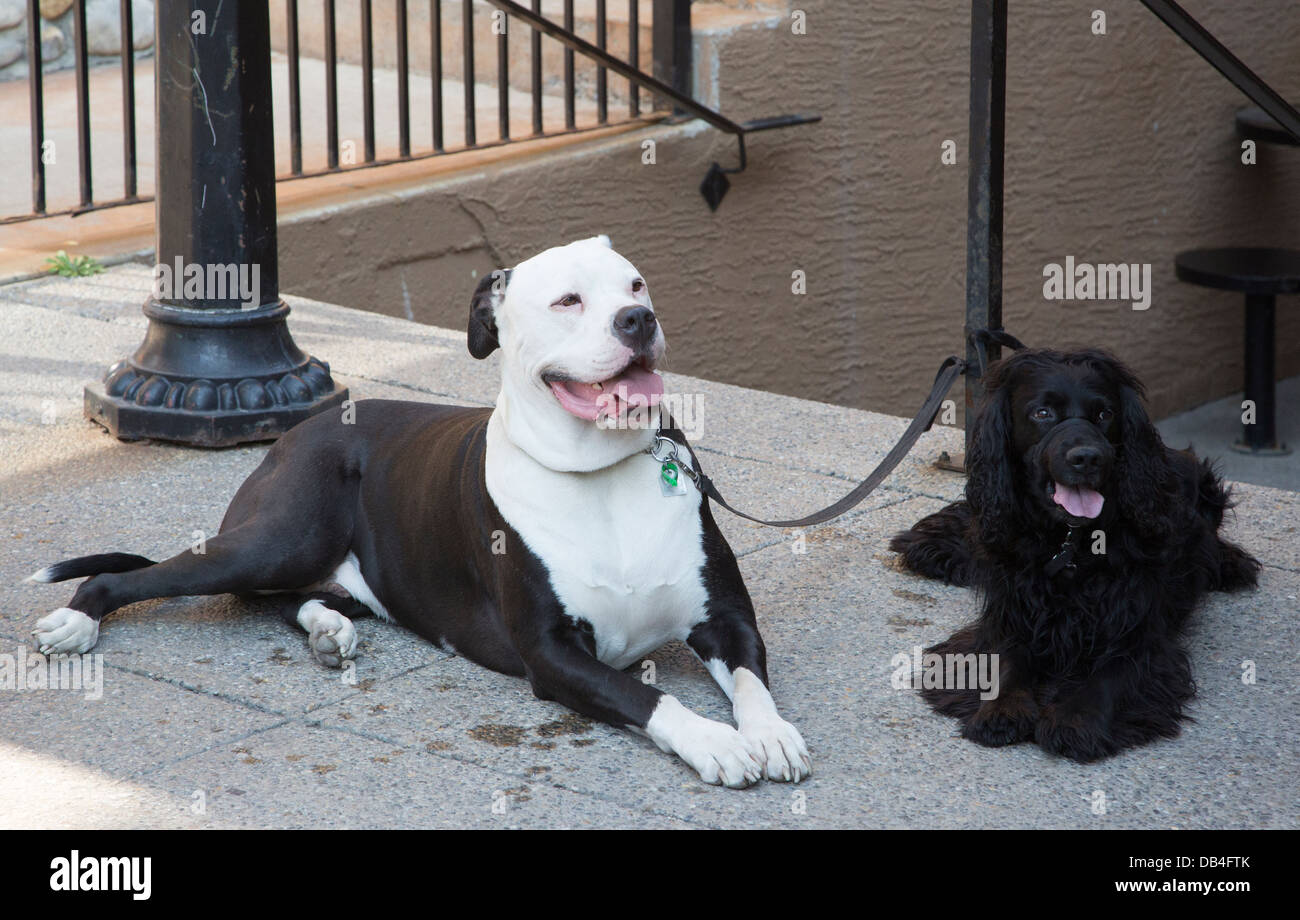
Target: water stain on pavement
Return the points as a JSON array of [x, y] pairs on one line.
[[569, 724], [499, 735]]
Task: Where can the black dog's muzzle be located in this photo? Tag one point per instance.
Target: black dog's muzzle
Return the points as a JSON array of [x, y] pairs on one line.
[[1075, 452]]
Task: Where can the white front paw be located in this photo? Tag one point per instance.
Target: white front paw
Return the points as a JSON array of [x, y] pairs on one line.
[[722, 755], [716, 751], [780, 746], [66, 631], [333, 638]]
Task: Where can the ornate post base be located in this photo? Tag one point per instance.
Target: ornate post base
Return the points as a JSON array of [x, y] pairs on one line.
[[212, 378]]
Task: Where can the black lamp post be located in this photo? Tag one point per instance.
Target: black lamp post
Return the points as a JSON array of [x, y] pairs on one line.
[[988, 115], [217, 366]]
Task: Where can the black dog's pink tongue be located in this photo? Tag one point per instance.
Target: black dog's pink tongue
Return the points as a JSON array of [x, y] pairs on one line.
[[1080, 501]]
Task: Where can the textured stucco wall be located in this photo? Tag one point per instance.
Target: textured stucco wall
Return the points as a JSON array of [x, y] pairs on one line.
[[1120, 148]]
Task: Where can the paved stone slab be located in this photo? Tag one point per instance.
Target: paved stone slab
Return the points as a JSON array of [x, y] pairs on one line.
[[137, 725], [300, 776], [240, 651], [41, 791], [1267, 522], [465, 712]]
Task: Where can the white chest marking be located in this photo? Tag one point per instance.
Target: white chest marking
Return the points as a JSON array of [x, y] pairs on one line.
[[621, 555], [348, 577]]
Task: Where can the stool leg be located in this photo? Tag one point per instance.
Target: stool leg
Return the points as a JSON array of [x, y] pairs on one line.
[[1260, 382]]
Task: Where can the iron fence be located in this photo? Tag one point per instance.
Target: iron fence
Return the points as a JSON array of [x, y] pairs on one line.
[[670, 31]]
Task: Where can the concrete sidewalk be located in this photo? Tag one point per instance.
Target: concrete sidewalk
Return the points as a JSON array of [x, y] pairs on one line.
[[213, 713]]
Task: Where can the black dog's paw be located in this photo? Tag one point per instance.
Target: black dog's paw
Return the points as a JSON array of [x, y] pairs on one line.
[[1006, 720], [959, 704], [997, 731], [937, 547], [1078, 735]]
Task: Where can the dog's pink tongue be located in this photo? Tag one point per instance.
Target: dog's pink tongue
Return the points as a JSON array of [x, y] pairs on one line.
[[1080, 501], [634, 387], [641, 383]]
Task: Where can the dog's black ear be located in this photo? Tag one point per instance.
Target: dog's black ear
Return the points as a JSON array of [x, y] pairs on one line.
[[1145, 480], [483, 312], [990, 482]]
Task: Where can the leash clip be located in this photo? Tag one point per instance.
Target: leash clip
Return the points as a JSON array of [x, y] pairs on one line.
[[654, 450], [665, 451]]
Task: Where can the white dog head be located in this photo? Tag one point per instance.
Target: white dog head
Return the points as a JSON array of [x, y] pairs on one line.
[[580, 343]]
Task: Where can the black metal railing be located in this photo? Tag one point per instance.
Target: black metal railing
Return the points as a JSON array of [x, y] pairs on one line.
[[669, 85], [1203, 42], [36, 95], [988, 70]]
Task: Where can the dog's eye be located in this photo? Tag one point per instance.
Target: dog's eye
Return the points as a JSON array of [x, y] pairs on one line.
[[568, 300], [1042, 413], [638, 285], [1105, 415]]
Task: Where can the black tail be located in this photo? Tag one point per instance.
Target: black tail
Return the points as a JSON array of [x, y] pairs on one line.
[[90, 565]]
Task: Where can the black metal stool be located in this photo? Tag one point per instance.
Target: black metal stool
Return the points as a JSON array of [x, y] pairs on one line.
[[1261, 274]]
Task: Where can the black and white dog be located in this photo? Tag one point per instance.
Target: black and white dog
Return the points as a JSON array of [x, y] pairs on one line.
[[535, 538]]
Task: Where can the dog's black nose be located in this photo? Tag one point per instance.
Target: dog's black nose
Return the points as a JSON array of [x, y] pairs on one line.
[[1083, 459], [635, 326]]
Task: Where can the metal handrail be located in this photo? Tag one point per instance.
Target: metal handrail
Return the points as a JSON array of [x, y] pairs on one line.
[[1225, 62], [714, 187]]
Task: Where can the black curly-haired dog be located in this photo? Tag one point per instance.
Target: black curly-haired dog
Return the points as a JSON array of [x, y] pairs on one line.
[[1090, 543]]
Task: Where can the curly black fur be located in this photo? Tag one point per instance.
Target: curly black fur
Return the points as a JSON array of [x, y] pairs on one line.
[[1090, 658]]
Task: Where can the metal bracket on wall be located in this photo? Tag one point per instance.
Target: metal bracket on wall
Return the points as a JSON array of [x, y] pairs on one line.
[[715, 184]]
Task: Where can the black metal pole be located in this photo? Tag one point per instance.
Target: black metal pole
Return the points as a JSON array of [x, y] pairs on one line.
[[435, 66], [467, 46], [570, 107], [83, 102], [671, 33], [988, 84], [536, 38], [128, 99], [1260, 386], [295, 89], [503, 80], [331, 89], [368, 79], [602, 77], [634, 55], [403, 85], [217, 365], [36, 101]]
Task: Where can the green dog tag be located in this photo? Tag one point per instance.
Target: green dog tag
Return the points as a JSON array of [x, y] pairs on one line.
[[670, 479]]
